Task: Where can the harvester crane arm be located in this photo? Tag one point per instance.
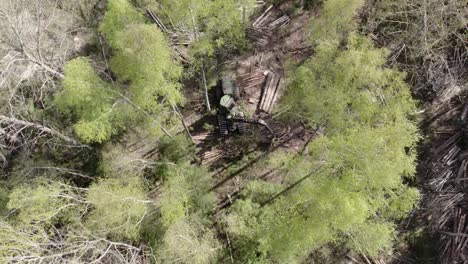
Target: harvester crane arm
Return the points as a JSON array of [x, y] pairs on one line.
[[255, 122]]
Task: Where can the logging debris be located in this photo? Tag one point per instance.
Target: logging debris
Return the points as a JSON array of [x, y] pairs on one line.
[[447, 178]]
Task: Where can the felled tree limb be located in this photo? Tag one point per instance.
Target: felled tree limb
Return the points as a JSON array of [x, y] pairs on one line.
[[23, 124]]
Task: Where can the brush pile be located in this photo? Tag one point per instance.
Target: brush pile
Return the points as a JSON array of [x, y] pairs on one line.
[[447, 179]]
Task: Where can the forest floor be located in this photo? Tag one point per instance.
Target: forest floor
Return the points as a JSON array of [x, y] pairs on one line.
[[278, 36]]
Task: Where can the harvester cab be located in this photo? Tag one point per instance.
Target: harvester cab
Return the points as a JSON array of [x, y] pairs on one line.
[[231, 118]]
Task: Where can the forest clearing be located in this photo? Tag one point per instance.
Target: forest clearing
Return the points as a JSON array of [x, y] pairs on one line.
[[233, 131]]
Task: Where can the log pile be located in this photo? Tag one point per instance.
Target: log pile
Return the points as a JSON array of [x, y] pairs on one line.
[[270, 91], [256, 78], [447, 175], [203, 137], [259, 36], [212, 156], [279, 22], [156, 20], [258, 23], [262, 26]]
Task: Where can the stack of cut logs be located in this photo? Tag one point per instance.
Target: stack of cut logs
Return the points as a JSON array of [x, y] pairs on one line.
[[447, 166], [260, 30], [256, 78], [275, 23], [203, 137], [270, 91], [210, 157]]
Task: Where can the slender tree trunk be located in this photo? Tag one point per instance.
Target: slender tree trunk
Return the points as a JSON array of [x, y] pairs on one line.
[[243, 16], [207, 99], [176, 109], [203, 73]]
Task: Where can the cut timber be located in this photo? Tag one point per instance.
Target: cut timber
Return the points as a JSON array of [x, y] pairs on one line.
[[263, 17], [211, 156], [444, 95], [275, 96], [269, 91], [203, 137], [156, 20], [251, 80], [260, 37], [279, 22], [259, 3]]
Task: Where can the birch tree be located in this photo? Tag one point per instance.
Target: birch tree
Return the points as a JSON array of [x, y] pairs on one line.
[[120, 206]]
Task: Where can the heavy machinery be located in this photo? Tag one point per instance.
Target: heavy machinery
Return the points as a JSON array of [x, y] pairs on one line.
[[230, 115]]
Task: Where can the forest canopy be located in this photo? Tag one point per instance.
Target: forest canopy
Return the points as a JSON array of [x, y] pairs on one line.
[[104, 149]]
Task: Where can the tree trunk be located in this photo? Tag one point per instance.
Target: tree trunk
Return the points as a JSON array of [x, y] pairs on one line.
[[176, 109], [207, 99]]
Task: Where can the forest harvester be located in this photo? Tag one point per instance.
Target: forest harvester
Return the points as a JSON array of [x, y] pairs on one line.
[[231, 118]]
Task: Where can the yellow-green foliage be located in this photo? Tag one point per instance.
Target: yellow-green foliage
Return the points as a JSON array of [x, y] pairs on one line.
[[224, 27], [371, 238], [84, 91], [16, 241], [350, 179], [175, 199], [185, 191], [336, 17], [219, 23], [144, 57], [344, 88], [187, 241], [120, 14], [355, 180], [119, 207], [44, 202], [93, 101]]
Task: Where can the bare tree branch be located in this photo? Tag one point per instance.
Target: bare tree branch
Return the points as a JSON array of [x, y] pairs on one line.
[[24, 124]]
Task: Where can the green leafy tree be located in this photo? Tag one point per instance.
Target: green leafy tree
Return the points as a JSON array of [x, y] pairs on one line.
[[336, 18], [185, 191], [215, 25], [186, 188], [343, 88], [348, 182], [187, 241], [223, 27], [371, 238], [346, 188], [44, 202], [243, 225], [120, 206], [94, 102], [120, 14], [175, 199], [144, 58]]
